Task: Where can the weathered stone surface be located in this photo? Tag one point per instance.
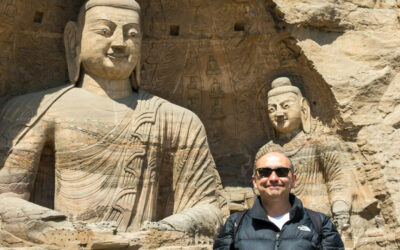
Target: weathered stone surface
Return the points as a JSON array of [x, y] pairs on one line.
[[82, 164], [217, 58], [354, 45]]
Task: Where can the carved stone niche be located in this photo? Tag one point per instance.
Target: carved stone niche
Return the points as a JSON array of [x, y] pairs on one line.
[[216, 58]]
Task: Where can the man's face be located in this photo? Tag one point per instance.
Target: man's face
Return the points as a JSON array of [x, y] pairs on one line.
[[111, 40], [285, 112], [273, 186]]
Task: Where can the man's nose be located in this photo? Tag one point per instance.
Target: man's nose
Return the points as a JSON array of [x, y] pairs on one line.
[[118, 41], [273, 176]]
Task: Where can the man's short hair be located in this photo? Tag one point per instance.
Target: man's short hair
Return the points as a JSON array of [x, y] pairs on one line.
[[262, 152]]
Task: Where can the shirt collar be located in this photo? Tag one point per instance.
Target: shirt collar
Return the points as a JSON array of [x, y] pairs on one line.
[[296, 211]]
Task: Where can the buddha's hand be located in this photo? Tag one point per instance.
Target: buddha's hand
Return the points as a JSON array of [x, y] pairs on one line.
[[342, 221], [156, 225], [341, 215]]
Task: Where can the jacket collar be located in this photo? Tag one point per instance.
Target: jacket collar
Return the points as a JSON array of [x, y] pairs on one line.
[[295, 213]]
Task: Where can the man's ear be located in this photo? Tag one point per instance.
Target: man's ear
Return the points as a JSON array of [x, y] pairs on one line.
[[294, 179], [72, 51], [254, 182], [305, 115]]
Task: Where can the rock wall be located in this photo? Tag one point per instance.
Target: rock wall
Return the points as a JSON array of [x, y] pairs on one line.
[[218, 58], [354, 46], [32, 51]]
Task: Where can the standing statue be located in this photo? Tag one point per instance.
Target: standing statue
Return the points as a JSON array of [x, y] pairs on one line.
[[325, 179], [119, 154]]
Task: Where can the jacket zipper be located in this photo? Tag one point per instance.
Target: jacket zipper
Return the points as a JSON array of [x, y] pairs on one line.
[[278, 235], [277, 240]]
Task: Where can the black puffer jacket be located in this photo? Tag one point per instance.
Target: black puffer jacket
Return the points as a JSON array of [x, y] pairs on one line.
[[258, 232]]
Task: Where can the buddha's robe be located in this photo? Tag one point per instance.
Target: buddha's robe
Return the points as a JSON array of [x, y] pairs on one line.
[[325, 171], [139, 159]]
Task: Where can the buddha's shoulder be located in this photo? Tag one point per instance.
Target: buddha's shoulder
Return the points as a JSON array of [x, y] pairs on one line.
[[31, 104], [38, 96]]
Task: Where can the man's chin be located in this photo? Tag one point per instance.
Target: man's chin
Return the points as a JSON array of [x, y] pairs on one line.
[[274, 192]]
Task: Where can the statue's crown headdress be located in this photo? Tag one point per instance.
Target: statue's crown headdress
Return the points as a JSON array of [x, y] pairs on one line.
[[125, 4], [283, 85]]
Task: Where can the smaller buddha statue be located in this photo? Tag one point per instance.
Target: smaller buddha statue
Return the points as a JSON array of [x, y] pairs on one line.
[[325, 170]]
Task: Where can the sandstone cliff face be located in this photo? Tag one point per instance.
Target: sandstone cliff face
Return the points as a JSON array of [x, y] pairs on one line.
[[217, 58], [354, 46]]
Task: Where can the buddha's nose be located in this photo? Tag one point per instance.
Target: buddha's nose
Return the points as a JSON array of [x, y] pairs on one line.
[[280, 114], [118, 42]]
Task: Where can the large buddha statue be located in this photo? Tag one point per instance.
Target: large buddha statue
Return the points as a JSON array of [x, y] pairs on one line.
[[325, 170], [117, 153]]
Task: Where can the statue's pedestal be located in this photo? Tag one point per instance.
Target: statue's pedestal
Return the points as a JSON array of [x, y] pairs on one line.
[[23, 224], [89, 239]]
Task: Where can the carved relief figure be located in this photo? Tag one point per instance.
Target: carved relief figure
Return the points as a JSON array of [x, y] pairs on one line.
[[325, 178], [212, 66], [193, 83], [120, 154], [285, 54], [192, 60], [216, 95]]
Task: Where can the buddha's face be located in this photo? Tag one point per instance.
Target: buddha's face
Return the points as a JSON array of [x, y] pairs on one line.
[[285, 112], [111, 41]]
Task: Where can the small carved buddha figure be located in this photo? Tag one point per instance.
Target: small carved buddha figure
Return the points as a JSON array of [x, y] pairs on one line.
[[212, 66], [120, 154], [324, 170]]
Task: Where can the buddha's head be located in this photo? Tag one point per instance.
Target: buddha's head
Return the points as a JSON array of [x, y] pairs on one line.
[[106, 41], [288, 110]]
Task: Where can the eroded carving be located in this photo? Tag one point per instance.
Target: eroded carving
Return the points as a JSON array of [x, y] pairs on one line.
[[212, 66], [216, 95], [123, 159]]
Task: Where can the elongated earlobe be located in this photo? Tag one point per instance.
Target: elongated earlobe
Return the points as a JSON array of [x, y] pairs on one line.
[[72, 51], [136, 75], [306, 115]]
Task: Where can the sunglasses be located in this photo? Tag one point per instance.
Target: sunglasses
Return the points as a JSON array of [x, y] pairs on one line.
[[279, 171]]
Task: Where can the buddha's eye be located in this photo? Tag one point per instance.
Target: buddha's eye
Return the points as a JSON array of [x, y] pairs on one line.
[[285, 106], [104, 31], [271, 109], [132, 33]]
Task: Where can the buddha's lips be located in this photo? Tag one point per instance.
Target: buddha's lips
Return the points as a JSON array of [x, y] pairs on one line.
[[117, 55], [281, 121]]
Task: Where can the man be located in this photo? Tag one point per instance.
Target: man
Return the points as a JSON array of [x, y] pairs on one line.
[[277, 219], [118, 154]]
